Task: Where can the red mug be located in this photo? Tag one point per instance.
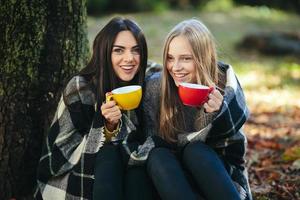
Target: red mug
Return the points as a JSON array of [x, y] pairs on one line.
[[193, 94]]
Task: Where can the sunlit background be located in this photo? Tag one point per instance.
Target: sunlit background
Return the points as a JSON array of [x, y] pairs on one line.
[[265, 77], [270, 77]]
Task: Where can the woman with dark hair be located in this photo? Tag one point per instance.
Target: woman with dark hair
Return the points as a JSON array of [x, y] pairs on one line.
[[195, 152], [83, 154]]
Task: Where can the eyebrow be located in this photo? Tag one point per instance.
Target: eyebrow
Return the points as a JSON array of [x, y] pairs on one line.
[[180, 54], [189, 55], [119, 46]]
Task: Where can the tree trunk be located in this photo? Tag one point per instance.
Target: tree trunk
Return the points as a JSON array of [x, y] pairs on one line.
[[42, 43]]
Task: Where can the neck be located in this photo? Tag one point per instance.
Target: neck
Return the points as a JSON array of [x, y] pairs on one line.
[[124, 83]]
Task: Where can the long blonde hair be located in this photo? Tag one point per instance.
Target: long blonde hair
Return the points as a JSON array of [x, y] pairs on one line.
[[205, 58]]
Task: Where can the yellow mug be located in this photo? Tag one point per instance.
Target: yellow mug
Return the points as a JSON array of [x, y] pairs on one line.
[[127, 98]]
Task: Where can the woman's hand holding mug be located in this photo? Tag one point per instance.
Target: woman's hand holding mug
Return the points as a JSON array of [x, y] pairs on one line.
[[214, 102], [112, 114]]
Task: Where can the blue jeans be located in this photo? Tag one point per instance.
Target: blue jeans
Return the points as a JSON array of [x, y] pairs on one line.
[[195, 172]]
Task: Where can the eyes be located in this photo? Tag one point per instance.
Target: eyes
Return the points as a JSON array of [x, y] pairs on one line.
[[183, 58], [121, 50]]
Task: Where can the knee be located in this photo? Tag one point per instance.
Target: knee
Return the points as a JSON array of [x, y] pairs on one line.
[[156, 159], [157, 155], [196, 147], [198, 151]]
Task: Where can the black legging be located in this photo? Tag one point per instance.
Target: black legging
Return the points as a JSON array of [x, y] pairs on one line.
[[167, 172], [111, 173], [138, 185]]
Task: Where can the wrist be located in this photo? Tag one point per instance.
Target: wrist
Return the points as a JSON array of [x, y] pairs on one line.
[[112, 130], [111, 127]]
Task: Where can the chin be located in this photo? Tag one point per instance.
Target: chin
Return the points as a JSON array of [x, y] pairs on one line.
[[127, 79], [177, 83]]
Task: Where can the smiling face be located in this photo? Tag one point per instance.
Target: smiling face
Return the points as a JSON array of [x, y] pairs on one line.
[[125, 56], [180, 61]]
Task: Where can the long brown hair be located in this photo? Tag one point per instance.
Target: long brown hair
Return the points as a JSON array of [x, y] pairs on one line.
[[205, 58], [99, 71]]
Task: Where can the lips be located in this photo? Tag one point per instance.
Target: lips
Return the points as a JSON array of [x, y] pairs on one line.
[[179, 75], [127, 68]]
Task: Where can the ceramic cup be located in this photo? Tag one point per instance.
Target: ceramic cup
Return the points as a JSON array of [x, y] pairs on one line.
[[127, 98], [193, 94]]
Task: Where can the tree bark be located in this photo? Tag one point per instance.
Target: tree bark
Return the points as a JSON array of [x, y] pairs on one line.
[[42, 43]]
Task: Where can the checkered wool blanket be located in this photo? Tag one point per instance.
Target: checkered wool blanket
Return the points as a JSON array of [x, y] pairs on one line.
[[224, 133], [66, 167]]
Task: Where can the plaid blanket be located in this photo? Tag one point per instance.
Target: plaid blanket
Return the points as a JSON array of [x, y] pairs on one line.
[[66, 166], [224, 134]]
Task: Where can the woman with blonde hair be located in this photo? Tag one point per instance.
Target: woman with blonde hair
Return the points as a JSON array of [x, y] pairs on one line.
[[195, 152]]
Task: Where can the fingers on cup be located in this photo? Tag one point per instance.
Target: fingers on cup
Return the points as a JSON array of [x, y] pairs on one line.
[[108, 109], [216, 97], [213, 100], [108, 96], [212, 103], [108, 105], [113, 116], [207, 108], [218, 94]]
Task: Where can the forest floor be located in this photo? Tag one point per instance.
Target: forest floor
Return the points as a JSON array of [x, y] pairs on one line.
[[273, 157]]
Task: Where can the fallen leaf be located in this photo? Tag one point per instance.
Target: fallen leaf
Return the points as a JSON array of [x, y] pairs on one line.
[[274, 176], [291, 154], [264, 143], [261, 189], [296, 165], [266, 162]]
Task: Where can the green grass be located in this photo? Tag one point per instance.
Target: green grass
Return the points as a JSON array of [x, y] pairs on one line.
[[228, 26]]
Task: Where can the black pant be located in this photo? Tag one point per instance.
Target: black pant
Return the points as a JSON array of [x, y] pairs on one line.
[[109, 173], [114, 181], [170, 174], [138, 185]]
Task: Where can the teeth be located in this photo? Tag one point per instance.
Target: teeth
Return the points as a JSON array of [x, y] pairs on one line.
[[179, 75], [127, 67]]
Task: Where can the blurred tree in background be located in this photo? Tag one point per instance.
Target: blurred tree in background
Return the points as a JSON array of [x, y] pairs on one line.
[[100, 7], [42, 43], [288, 5]]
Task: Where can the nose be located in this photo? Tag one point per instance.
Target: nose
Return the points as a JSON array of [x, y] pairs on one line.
[[128, 56], [177, 66]]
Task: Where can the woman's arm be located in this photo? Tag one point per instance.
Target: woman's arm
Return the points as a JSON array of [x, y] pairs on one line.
[[233, 113], [67, 134]]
